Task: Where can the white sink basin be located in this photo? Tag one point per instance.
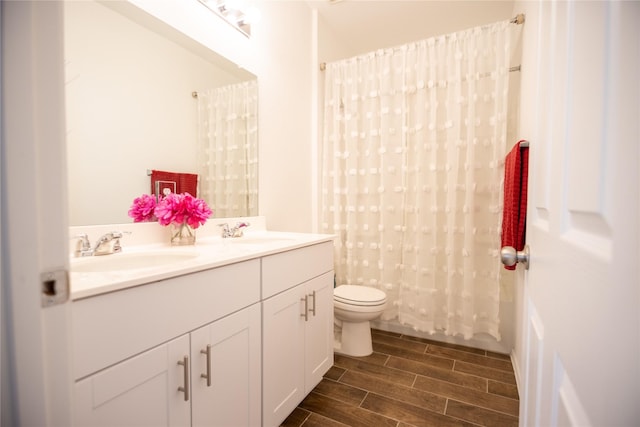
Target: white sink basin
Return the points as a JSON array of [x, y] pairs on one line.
[[130, 261]]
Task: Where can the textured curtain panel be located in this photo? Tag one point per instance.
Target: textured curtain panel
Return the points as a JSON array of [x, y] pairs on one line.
[[228, 148], [414, 141]]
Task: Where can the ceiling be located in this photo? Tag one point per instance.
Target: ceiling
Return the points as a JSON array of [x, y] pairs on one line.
[[367, 25]]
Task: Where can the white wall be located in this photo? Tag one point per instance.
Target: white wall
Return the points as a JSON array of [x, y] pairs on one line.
[[284, 37], [330, 45]]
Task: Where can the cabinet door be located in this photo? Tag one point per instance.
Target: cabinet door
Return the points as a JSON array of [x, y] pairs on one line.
[[226, 382], [140, 391], [319, 330], [283, 354]]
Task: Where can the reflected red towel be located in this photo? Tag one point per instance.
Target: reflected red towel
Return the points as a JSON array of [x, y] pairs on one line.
[[514, 213], [175, 182]]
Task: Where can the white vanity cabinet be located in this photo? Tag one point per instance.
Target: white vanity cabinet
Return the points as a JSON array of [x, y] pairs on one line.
[[297, 327], [240, 344], [175, 382]]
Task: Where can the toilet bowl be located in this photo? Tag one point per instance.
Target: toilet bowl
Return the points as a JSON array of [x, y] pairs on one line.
[[353, 307]]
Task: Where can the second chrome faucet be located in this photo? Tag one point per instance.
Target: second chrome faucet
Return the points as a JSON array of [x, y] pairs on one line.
[[235, 231]]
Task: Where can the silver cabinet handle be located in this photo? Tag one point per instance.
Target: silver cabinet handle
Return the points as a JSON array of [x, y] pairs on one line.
[[185, 363], [313, 307], [208, 374], [509, 256], [306, 308]]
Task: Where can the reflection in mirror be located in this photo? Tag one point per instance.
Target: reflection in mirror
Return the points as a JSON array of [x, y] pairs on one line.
[[129, 85], [228, 148]]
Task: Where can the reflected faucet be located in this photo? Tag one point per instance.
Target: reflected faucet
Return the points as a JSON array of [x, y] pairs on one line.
[[107, 244], [236, 231]]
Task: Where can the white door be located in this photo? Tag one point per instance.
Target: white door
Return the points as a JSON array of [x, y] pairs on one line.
[[225, 372], [318, 330], [36, 362], [581, 325], [283, 332]]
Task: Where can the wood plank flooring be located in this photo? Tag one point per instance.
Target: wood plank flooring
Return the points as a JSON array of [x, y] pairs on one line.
[[411, 381]]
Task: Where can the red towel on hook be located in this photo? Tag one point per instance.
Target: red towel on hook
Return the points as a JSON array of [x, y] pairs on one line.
[[174, 182], [514, 213]]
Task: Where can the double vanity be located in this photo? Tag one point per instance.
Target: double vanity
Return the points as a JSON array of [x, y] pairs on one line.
[[228, 332]]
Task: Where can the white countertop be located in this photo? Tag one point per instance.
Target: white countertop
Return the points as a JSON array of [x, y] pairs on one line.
[[208, 252]]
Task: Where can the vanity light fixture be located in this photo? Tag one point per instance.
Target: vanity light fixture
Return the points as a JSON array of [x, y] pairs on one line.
[[236, 12]]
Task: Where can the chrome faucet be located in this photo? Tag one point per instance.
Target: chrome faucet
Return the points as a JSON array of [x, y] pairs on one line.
[[107, 244], [236, 231], [83, 246]]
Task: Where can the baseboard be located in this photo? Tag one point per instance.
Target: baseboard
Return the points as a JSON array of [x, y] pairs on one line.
[[519, 380], [481, 341]]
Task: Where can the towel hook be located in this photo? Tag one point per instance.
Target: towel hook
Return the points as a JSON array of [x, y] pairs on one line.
[[509, 256]]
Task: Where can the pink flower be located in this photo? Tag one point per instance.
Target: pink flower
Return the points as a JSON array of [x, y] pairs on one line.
[[142, 208], [182, 208], [169, 210], [198, 211]]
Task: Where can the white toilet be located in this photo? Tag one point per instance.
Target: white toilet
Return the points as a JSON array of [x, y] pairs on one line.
[[353, 307]]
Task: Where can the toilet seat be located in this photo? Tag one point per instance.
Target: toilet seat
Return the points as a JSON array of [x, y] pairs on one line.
[[359, 295]]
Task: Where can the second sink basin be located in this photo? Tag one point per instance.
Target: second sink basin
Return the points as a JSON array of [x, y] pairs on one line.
[[130, 261]]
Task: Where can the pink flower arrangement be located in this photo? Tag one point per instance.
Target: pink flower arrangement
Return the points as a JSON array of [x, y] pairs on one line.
[[142, 208], [182, 208], [177, 209]]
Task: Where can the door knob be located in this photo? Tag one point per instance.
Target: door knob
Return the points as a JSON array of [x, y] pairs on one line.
[[509, 256]]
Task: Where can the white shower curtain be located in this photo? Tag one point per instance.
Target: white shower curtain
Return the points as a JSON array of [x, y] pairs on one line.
[[414, 140], [228, 149]]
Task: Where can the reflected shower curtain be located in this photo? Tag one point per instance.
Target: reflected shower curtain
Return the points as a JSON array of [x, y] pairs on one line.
[[414, 140], [228, 149]]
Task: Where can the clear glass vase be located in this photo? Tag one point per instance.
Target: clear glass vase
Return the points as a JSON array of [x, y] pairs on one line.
[[182, 234]]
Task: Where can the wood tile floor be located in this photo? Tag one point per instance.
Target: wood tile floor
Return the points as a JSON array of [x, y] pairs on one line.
[[411, 381]]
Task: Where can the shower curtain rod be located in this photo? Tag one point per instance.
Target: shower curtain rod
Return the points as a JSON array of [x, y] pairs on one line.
[[518, 20]]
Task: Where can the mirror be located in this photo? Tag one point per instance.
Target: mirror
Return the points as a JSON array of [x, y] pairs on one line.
[[130, 109]]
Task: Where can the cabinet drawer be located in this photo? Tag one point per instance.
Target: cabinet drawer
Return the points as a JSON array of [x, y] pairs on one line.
[[287, 269], [113, 327]]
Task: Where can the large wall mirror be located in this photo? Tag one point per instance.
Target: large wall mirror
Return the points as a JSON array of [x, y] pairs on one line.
[[141, 96]]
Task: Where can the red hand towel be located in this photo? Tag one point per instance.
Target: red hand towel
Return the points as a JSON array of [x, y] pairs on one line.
[[514, 214], [176, 182]]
